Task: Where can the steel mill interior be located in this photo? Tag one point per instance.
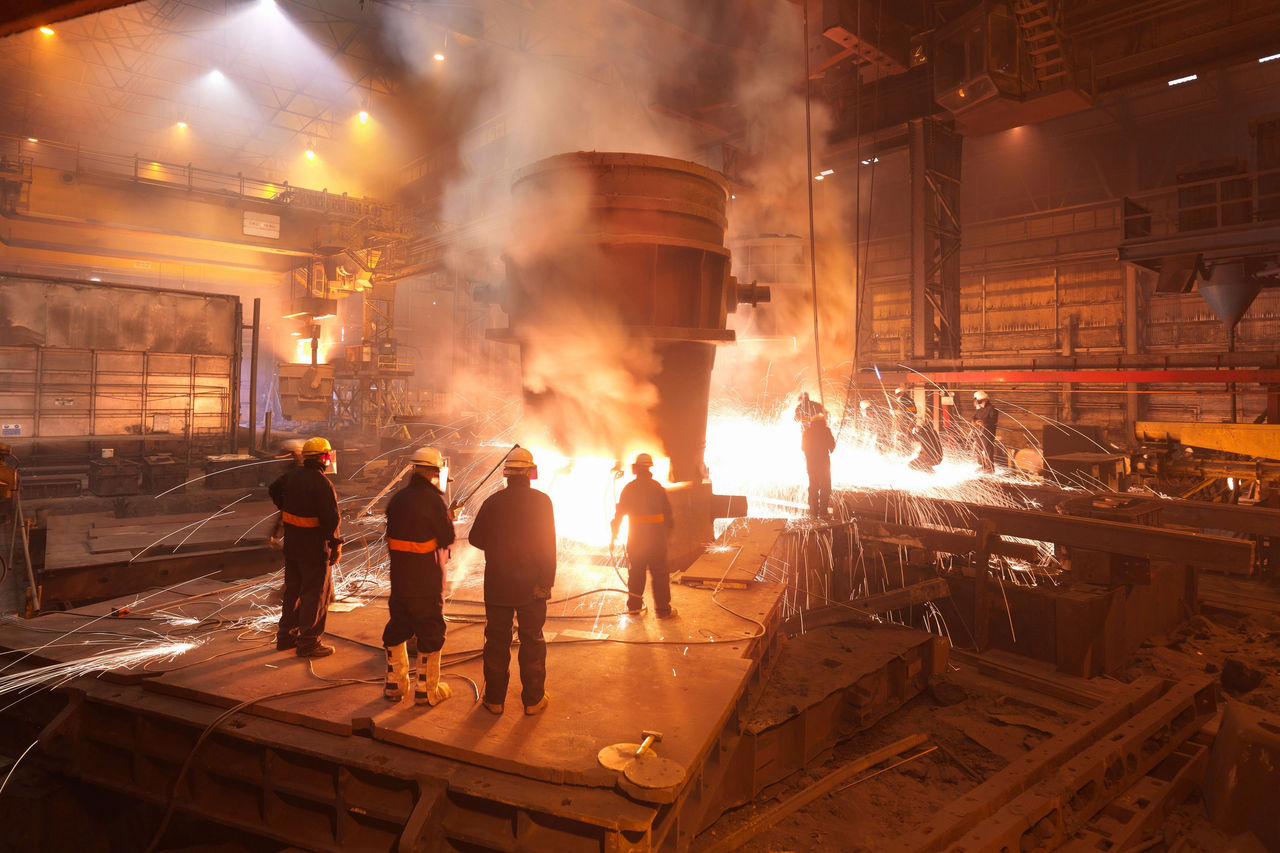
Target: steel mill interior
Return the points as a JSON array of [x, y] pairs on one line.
[[615, 426]]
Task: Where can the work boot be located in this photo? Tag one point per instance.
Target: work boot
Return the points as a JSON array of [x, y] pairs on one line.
[[431, 690], [670, 614], [532, 710], [286, 642], [315, 650], [397, 673]]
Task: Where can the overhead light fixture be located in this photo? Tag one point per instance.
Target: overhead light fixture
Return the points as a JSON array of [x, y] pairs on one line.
[[94, 278], [819, 177], [310, 155], [1177, 80], [438, 57], [826, 172], [182, 124], [870, 160], [32, 139], [363, 115], [48, 31], [1269, 58], [215, 74]]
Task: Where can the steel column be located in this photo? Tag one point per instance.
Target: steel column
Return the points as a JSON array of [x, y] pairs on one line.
[[935, 157]]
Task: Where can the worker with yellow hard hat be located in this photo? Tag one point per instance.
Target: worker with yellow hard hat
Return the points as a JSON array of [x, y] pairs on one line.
[[516, 529], [309, 506], [645, 504], [419, 533]]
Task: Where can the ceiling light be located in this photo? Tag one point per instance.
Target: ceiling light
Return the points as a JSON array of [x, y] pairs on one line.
[[818, 177], [32, 139], [438, 57], [182, 124], [47, 30], [94, 278], [1269, 58], [217, 76], [364, 116], [870, 160], [826, 172], [1175, 81], [310, 155]]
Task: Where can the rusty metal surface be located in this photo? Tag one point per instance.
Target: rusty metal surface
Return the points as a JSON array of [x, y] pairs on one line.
[[1045, 816]]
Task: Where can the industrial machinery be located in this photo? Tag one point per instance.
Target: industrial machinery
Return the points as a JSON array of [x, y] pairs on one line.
[[618, 268]]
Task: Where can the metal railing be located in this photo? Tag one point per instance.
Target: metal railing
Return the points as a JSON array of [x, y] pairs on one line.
[[1225, 202], [372, 213]]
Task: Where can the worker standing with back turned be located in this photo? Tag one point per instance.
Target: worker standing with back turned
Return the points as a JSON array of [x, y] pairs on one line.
[[419, 533], [644, 502], [309, 505], [516, 529], [817, 444]]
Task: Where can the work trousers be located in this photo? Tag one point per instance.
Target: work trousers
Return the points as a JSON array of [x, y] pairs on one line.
[[418, 616], [643, 565], [305, 602], [529, 619], [986, 452], [819, 489]]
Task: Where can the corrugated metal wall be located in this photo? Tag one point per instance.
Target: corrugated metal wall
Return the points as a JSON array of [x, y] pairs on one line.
[[82, 359]]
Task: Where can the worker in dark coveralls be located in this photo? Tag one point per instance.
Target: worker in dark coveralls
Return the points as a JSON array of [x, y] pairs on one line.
[[644, 502], [929, 454], [419, 533], [817, 442], [516, 529], [309, 506], [985, 418]]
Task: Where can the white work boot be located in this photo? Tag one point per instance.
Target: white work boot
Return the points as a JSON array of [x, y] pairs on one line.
[[431, 690], [397, 685]]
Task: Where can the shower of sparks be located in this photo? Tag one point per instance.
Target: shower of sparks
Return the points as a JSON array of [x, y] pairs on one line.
[[142, 651], [751, 452]]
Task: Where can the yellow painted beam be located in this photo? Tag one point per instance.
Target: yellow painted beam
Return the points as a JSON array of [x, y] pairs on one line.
[[1257, 440]]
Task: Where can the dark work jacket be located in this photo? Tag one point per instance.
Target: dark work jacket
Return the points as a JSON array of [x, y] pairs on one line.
[[645, 501], [905, 404], [985, 420], [817, 444], [417, 513], [307, 493], [516, 529], [930, 443]]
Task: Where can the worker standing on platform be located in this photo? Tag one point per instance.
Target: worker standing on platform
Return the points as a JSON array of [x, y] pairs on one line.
[[904, 415], [817, 444], [419, 533], [929, 453], [516, 529], [644, 503], [985, 418], [309, 505]]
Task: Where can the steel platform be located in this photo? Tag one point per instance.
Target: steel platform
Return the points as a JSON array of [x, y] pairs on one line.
[[340, 768]]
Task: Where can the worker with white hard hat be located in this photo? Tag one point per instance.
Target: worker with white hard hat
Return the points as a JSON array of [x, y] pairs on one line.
[[419, 534], [985, 418], [516, 529], [645, 504]]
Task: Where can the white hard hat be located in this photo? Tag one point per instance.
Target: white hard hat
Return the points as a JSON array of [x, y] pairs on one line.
[[428, 456], [899, 390], [519, 458], [980, 395]]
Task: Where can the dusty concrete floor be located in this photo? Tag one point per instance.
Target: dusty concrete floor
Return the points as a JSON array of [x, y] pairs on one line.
[[994, 723]]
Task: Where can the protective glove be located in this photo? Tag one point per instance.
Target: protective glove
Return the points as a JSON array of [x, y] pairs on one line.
[[541, 593], [275, 543], [335, 551]]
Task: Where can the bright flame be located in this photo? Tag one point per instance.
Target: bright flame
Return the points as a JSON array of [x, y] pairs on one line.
[[303, 351]]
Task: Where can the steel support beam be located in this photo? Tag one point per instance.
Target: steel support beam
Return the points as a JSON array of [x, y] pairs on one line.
[[935, 156]]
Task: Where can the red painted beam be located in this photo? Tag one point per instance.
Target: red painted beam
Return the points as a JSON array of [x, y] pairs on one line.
[[1022, 377]]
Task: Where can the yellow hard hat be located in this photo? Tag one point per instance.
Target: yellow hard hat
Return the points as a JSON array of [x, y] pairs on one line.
[[316, 446], [519, 458], [644, 460], [429, 457]]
